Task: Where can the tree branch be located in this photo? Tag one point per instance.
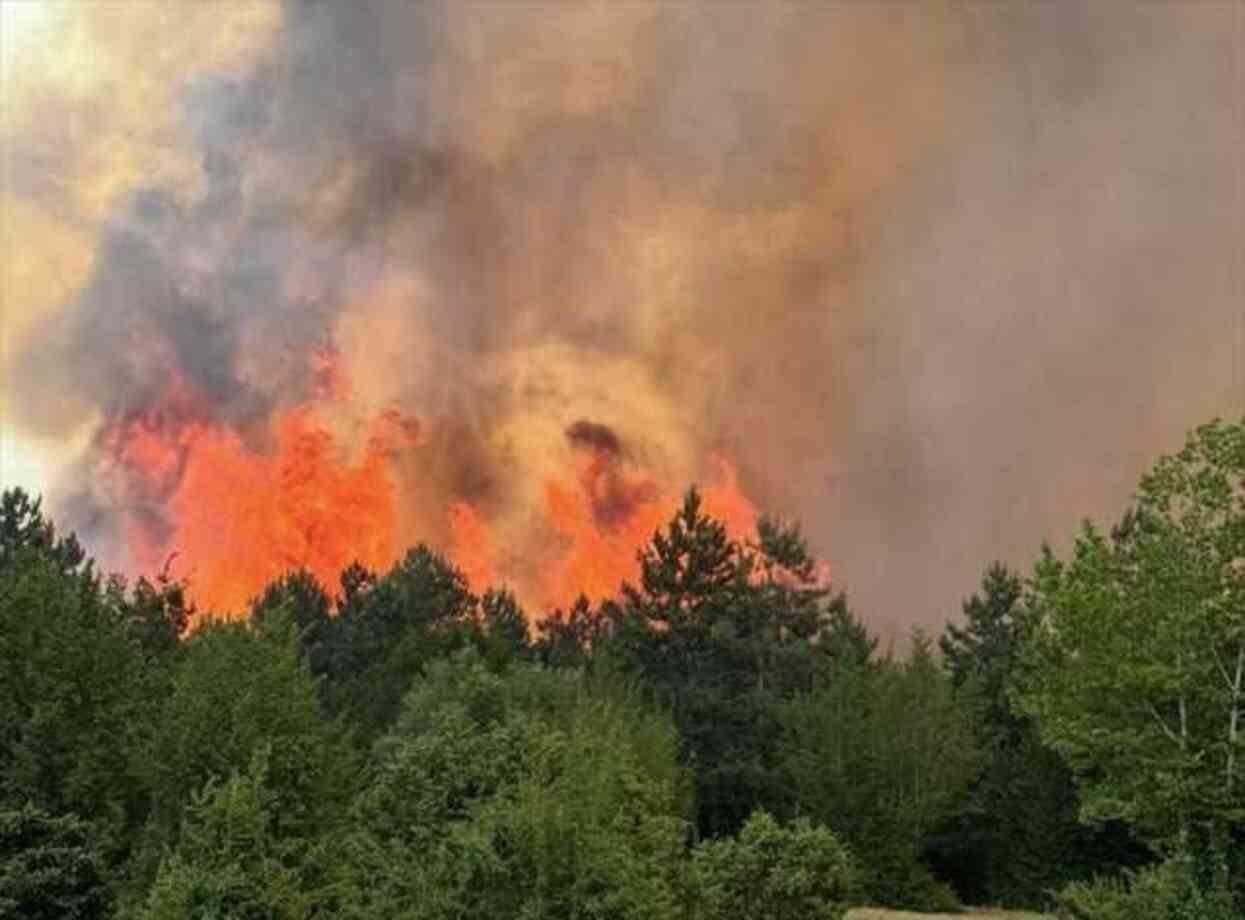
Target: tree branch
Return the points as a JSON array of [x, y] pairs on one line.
[[1163, 725], [1223, 672], [1234, 719]]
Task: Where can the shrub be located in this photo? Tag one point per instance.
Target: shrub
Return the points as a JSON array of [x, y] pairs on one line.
[[1168, 891], [942, 897], [770, 872]]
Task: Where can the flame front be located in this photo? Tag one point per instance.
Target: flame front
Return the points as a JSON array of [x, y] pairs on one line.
[[237, 516], [230, 515], [601, 548]]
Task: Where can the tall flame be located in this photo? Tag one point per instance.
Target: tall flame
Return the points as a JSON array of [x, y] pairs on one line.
[[239, 515], [602, 548], [236, 514]]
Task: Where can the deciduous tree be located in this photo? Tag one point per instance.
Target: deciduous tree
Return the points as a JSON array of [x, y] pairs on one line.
[[1135, 667]]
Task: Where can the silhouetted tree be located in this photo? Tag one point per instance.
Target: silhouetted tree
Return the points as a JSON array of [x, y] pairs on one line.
[[723, 631], [24, 529]]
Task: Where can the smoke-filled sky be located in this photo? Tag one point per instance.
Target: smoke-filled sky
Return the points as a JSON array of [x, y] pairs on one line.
[[937, 279]]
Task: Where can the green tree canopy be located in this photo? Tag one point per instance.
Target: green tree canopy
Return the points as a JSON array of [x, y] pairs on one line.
[[386, 630], [882, 755], [1019, 836], [526, 794], [239, 689], [70, 700], [1135, 667], [979, 654], [50, 867], [232, 859], [24, 530], [721, 630]]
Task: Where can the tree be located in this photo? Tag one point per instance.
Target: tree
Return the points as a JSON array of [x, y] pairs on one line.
[[298, 598], [387, 629], [70, 697], [568, 638], [154, 615], [1019, 836], [528, 793], [882, 756], [770, 872], [979, 654], [85, 665], [238, 690], [845, 640], [232, 859], [24, 529], [722, 631], [505, 635], [50, 868], [1134, 668], [1170, 890]]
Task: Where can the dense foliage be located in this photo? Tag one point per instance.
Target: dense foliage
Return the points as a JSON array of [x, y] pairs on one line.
[[1133, 664], [49, 869], [721, 739], [1170, 890], [770, 872]]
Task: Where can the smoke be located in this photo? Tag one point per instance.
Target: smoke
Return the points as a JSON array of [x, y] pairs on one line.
[[600, 438], [938, 279], [613, 498], [1073, 309]]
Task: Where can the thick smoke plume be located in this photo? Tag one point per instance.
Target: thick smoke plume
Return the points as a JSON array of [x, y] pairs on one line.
[[939, 279]]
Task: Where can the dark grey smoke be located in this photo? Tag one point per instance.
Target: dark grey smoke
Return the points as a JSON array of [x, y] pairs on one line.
[[595, 436]]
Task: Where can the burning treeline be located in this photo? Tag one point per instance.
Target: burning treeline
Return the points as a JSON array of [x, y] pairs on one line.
[[318, 280], [244, 514]]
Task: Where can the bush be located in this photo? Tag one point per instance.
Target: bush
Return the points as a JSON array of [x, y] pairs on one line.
[[770, 872], [941, 897], [1168, 891]]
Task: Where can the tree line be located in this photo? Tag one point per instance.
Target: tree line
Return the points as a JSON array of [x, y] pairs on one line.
[[722, 739]]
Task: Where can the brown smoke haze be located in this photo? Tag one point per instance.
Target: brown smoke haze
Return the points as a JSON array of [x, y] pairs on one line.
[[938, 279]]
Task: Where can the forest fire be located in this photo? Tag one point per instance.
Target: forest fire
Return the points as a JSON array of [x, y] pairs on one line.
[[236, 512], [357, 358], [238, 515], [606, 515], [584, 248]]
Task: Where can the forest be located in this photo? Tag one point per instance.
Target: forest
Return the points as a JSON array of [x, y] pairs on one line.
[[725, 738]]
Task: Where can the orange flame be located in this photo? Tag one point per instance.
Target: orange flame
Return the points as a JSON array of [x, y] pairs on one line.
[[472, 546], [245, 518], [602, 555], [240, 515]]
